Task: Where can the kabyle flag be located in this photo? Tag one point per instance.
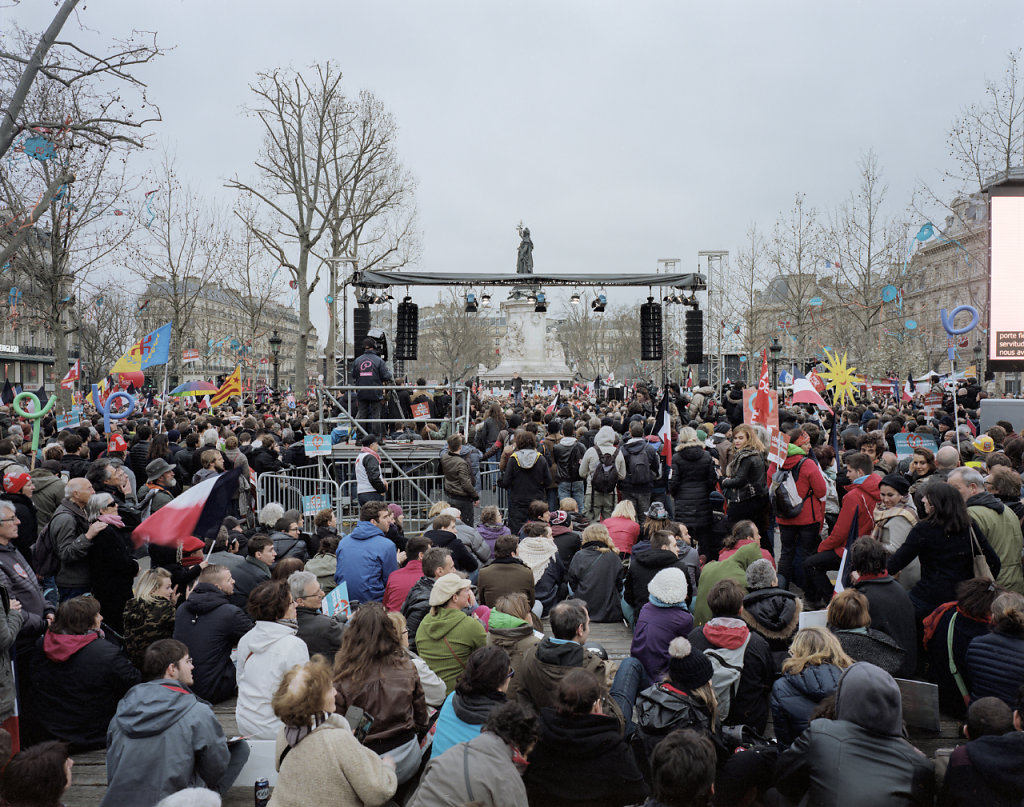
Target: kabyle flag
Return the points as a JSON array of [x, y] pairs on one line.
[[150, 350], [198, 511], [762, 401], [73, 375], [663, 428], [804, 392]]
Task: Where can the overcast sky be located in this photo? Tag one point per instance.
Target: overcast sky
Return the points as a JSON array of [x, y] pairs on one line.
[[618, 132]]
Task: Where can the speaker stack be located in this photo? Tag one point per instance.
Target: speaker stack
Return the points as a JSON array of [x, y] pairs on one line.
[[651, 345], [694, 336], [360, 325], [408, 330]]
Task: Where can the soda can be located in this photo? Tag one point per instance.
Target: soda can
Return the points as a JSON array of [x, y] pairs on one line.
[[262, 793]]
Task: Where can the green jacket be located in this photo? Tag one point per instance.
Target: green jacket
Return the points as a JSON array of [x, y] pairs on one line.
[[1002, 530], [734, 567], [447, 659]]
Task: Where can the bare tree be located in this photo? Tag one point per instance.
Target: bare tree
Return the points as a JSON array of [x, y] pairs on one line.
[[454, 340], [183, 252], [301, 118], [31, 67], [106, 323], [596, 344], [793, 256], [743, 289], [864, 246]]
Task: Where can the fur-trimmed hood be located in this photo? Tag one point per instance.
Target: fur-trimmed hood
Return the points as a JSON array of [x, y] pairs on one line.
[[772, 612]]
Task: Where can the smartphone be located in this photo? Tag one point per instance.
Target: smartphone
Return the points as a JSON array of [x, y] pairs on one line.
[[360, 722]]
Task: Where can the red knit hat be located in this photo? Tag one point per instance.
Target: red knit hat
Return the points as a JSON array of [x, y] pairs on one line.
[[13, 483], [192, 544]]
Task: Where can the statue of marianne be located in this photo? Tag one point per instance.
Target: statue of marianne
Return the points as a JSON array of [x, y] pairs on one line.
[[524, 261]]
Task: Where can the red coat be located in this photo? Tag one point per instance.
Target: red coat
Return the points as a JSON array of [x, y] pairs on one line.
[[858, 503], [400, 582], [810, 485]]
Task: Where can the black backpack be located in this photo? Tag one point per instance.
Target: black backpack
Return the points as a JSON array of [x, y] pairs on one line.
[[638, 468], [605, 477], [45, 560], [574, 460]]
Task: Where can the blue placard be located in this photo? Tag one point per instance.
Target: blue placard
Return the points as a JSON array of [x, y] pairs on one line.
[[311, 505], [336, 602], [68, 421], [906, 443], [316, 445]]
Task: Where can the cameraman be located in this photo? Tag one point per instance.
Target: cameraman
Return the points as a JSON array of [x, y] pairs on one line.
[[370, 370]]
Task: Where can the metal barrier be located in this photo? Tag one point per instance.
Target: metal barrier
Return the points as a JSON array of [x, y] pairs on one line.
[[297, 491]]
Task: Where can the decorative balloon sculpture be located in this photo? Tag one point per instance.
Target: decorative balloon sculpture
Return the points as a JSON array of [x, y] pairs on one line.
[[952, 330], [104, 406], [36, 415]]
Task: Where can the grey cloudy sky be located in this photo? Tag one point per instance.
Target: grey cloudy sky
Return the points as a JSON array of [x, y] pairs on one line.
[[619, 132]]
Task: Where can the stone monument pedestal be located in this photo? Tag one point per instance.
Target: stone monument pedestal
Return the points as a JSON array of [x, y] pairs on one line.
[[527, 348]]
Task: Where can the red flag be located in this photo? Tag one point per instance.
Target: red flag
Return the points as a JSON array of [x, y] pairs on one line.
[[762, 400], [663, 428], [198, 511], [73, 375]]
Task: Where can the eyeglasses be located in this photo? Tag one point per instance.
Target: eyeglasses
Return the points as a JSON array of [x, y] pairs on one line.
[[315, 595], [12, 518], [294, 529]]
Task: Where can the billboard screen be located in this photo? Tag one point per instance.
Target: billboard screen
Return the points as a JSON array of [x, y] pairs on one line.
[[1006, 267]]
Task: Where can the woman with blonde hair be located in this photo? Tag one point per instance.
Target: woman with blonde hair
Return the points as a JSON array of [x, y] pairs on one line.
[[622, 526], [744, 481], [810, 674], [150, 614], [319, 760], [596, 575]]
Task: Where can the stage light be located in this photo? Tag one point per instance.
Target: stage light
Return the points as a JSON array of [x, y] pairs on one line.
[[599, 303], [471, 306], [531, 297], [542, 303], [575, 299], [485, 300]]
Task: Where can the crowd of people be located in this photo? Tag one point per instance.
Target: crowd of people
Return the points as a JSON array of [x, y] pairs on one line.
[[465, 672]]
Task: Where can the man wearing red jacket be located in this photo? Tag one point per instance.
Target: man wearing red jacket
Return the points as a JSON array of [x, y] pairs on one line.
[[800, 535], [856, 518]]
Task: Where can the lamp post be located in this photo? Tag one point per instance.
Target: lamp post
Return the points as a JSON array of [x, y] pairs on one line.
[[978, 351], [775, 349], [275, 349]]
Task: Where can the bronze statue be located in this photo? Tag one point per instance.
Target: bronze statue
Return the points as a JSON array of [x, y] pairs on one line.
[[524, 262]]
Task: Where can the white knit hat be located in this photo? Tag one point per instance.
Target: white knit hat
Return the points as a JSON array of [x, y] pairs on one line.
[[669, 586]]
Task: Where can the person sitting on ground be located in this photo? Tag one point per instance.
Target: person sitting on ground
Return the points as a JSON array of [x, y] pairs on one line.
[[372, 671], [986, 769], [401, 581], [319, 760], [447, 635], [265, 653], [486, 770], [436, 563], [644, 564], [211, 625], [888, 604], [540, 553], [732, 568], [995, 663], [481, 688], [321, 633], [595, 575], [564, 535], [255, 570], [622, 526], [38, 776], [288, 540], [849, 618], [434, 690], [743, 662], [505, 574], [491, 528], [662, 619], [164, 738], [770, 611], [581, 757], [149, 616], [78, 676], [443, 532], [683, 771], [510, 626], [810, 674], [861, 756]]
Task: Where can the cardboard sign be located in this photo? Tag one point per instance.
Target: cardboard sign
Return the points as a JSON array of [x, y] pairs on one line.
[[336, 602], [778, 445], [420, 411], [813, 619], [316, 445], [773, 407], [932, 402], [311, 505], [189, 355], [68, 421], [906, 443]]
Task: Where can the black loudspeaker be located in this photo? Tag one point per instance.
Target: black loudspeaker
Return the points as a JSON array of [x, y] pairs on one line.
[[360, 325], [408, 331], [694, 336], [615, 394], [651, 345]]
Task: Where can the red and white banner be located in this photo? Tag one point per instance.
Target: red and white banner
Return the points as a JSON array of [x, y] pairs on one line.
[[189, 354], [761, 397], [68, 382]]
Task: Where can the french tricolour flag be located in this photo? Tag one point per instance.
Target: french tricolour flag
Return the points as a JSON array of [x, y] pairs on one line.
[[198, 511], [663, 428], [804, 392]]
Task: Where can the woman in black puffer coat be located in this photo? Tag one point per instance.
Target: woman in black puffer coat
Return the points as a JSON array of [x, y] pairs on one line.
[[693, 479], [744, 482], [995, 663], [112, 565], [526, 479]]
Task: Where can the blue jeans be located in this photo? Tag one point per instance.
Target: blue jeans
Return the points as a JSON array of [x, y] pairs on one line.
[[630, 680], [552, 499], [572, 490], [238, 756], [68, 593], [373, 496]]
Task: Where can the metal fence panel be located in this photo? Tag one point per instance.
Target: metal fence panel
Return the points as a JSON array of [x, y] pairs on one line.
[[289, 490]]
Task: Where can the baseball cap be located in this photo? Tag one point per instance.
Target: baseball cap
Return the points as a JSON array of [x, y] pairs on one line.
[[446, 587], [117, 443]]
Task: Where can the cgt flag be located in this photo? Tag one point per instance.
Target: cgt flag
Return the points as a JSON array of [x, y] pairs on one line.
[[150, 350], [198, 511]]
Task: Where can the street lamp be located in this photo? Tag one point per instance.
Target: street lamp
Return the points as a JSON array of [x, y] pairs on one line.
[[978, 350], [775, 349], [275, 349]]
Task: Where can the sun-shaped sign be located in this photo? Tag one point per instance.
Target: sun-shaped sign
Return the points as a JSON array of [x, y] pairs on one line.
[[839, 378]]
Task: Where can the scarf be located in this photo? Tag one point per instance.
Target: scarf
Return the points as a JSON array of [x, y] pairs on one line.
[[368, 450], [882, 515], [112, 520], [295, 734]]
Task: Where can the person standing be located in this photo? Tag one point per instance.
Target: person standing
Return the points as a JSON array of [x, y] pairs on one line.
[[370, 485], [603, 467], [370, 370], [71, 536], [643, 467], [800, 533], [458, 479]]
